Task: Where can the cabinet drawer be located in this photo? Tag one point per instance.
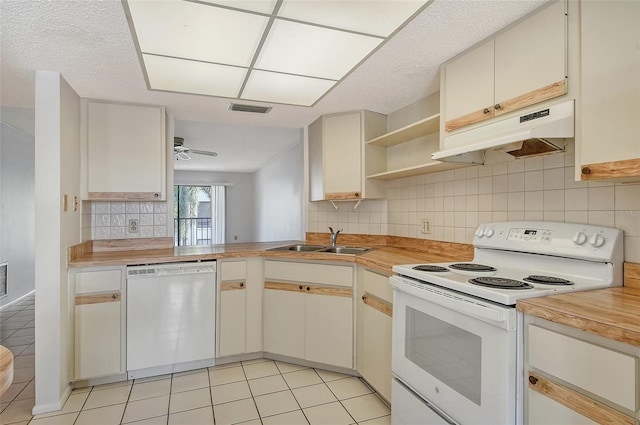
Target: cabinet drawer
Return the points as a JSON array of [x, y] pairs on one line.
[[378, 285], [601, 371], [309, 272], [98, 281], [233, 270]]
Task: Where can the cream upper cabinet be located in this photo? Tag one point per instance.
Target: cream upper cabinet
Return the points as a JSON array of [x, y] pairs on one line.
[[468, 87], [124, 155], [521, 66], [336, 144], [608, 140]]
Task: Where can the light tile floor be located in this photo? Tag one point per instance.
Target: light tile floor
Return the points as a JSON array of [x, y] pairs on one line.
[[251, 392]]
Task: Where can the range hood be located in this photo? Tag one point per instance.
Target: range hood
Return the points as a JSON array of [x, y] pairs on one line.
[[535, 133]]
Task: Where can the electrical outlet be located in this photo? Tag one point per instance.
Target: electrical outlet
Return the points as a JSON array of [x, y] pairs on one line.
[[133, 225], [425, 226]]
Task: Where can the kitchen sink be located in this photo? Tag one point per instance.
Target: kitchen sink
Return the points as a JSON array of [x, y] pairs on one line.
[[299, 248], [346, 250], [352, 250]]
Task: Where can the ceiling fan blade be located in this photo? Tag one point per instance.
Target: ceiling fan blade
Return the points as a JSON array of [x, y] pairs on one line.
[[209, 153]]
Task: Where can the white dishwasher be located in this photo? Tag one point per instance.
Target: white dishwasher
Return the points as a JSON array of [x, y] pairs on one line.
[[170, 318]]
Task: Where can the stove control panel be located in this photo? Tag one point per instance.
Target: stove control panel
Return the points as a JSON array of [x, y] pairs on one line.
[[530, 235]]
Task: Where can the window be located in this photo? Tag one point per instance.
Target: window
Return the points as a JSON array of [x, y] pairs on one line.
[[198, 213]]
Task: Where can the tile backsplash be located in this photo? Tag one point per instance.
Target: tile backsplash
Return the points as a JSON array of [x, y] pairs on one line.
[[457, 201], [110, 220]]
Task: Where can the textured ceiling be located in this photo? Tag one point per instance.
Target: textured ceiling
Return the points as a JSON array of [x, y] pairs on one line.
[[90, 44]]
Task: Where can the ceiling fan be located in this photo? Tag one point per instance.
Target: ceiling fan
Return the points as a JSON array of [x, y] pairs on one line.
[[182, 152]]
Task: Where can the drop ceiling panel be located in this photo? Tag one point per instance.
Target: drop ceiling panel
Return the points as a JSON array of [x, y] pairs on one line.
[[370, 17], [186, 76], [284, 88], [313, 51], [197, 31], [260, 6]]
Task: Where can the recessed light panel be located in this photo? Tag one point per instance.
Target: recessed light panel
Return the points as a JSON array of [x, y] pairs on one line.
[[313, 51], [186, 76], [366, 16], [196, 31], [241, 49], [284, 88]]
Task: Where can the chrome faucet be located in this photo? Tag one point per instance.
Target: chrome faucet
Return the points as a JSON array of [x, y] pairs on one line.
[[334, 236]]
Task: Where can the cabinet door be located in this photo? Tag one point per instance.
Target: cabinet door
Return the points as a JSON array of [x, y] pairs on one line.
[[284, 319], [610, 36], [530, 60], [551, 403], [468, 87], [232, 329], [98, 340], [342, 143], [126, 152], [376, 344], [329, 328]]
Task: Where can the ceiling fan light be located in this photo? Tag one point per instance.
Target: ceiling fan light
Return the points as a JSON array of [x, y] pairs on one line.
[[182, 156]]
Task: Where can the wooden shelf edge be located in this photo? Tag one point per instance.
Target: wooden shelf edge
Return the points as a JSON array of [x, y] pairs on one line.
[[420, 128], [429, 167]]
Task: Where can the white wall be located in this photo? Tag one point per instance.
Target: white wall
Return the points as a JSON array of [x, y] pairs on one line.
[[57, 173], [279, 197], [240, 194], [17, 177]]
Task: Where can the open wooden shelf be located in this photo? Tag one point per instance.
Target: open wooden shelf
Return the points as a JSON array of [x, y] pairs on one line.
[[429, 167], [417, 129]]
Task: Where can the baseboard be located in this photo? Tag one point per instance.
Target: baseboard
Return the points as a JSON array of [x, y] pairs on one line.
[[17, 299], [39, 409]]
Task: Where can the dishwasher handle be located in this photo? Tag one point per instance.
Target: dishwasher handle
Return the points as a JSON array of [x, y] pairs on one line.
[[176, 269]]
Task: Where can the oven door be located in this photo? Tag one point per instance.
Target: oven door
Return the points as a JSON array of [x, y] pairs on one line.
[[457, 352]]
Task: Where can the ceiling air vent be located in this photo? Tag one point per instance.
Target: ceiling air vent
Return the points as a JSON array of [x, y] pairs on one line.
[[249, 108]]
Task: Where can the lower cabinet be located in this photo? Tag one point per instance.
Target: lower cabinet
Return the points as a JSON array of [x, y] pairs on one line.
[[374, 330], [308, 311], [239, 307], [284, 319], [98, 322], [574, 377]]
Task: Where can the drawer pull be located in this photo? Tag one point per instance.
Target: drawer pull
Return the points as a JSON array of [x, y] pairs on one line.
[[485, 111], [533, 380], [300, 287], [114, 296], [308, 288], [364, 297], [242, 284], [586, 170]]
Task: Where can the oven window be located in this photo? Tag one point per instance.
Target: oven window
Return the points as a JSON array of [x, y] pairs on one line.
[[446, 352]]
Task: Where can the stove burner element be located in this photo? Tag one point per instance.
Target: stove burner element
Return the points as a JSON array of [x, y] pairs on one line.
[[472, 267], [430, 268], [499, 283], [547, 280]]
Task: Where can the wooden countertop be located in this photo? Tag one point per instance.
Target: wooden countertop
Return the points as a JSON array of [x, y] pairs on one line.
[[613, 313], [383, 257]]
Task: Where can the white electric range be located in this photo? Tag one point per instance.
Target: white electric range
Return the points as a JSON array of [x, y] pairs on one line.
[[457, 337]]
